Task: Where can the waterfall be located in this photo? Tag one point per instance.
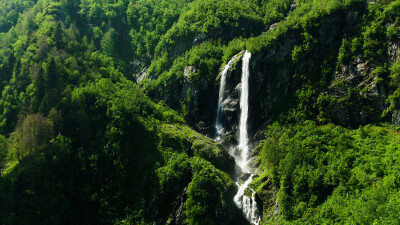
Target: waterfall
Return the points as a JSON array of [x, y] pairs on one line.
[[244, 108], [221, 97], [247, 204]]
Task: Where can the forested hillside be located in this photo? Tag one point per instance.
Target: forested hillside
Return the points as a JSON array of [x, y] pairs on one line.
[[108, 111]]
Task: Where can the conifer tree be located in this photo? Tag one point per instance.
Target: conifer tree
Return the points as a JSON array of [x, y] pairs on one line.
[[58, 36]]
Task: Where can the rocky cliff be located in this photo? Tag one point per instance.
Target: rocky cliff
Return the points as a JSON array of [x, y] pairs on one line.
[[274, 77]]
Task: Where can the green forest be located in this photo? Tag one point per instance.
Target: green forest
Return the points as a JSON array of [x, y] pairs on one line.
[[108, 111]]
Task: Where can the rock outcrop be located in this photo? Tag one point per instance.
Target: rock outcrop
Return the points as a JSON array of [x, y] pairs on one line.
[[273, 73], [231, 103], [199, 100], [359, 108], [273, 79]]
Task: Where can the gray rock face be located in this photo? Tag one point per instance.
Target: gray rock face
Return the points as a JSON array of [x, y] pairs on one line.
[[179, 215], [273, 26], [396, 118], [394, 49], [199, 96], [371, 103], [293, 5], [394, 55], [140, 76], [188, 72], [272, 71], [367, 106], [138, 68], [230, 113]]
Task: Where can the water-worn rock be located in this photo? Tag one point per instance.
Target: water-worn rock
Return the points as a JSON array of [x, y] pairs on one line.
[[230, 113]]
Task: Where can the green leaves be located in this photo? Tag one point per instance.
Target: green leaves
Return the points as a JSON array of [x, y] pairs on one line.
[[206, 187], [316, 166], [176, 171], [149, 20]]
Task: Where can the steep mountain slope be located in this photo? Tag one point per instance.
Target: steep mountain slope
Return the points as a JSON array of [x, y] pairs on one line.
[[130, 159], [108, 108], [84, 145]]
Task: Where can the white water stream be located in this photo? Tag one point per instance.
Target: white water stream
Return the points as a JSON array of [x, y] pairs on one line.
[[247, 204], [221, 97], [244, 111]]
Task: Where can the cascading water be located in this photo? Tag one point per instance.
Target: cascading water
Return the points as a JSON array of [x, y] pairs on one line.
[[221, 97], [244, 108], [247, 204]]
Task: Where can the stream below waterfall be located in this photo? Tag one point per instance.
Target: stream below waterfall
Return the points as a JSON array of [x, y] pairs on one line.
[[241, 152]]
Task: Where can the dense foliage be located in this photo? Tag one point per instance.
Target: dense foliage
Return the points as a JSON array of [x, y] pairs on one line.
[[81, 142], [84, 145], [324, 173], [123, 152], [329, 174]]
